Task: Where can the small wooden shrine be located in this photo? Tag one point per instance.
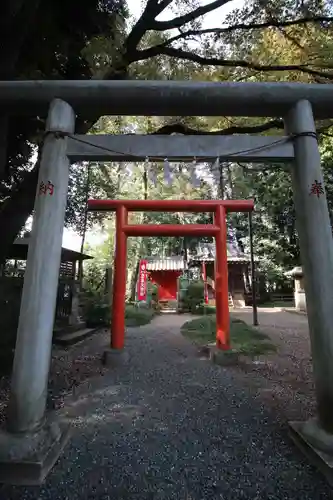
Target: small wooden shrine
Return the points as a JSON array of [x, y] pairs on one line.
[[239, 272], [11, 284], [164, 273]]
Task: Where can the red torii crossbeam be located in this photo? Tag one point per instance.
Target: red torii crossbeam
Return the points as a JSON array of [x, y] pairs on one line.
[[218, 230]]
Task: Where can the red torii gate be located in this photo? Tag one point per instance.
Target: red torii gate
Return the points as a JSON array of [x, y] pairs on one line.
[[218, 229]]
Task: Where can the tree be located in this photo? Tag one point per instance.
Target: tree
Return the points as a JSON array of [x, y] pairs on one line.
[[48, 43], [275, 236], [98, 46], [137, 185]]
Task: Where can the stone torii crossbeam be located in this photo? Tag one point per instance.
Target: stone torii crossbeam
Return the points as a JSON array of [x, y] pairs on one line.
[[30, 446]]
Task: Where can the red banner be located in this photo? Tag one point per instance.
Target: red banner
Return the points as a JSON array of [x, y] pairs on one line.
[[142, 282]]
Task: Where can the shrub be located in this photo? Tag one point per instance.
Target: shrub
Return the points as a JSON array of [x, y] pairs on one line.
[[205, 309], [96, 309], [97, 312], [135, 316], [193, 297], [244, 338]]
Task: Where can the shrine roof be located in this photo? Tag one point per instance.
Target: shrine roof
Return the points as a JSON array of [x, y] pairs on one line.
[[176, 263], [206, 252], [19, 251]]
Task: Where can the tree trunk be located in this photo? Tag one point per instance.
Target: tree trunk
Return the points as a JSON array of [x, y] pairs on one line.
[[16, 209], [18, 19]]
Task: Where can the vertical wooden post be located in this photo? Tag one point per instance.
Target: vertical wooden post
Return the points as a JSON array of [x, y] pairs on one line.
[[253, 275], [204, 277], [85, 221], [221, 282], [119, 281], [108, 284]]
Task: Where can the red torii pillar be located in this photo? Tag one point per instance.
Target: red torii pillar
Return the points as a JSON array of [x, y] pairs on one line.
[[218, 230]]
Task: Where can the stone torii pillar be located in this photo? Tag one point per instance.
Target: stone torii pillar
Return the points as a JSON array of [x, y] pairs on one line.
[[316, 246], [30, 447]]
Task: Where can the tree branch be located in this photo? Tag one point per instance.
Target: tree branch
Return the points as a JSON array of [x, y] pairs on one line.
[[163, 4], [180, 128], [247, 27], [291, 39], [186, 55], [178, 22], [145, 23], [272, 23]]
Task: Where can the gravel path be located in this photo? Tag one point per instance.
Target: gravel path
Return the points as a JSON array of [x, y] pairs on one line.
[[170, 425], [289, 371], [70, 367]]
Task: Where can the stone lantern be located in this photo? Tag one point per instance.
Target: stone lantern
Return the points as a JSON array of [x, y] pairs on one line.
[[299, 292]]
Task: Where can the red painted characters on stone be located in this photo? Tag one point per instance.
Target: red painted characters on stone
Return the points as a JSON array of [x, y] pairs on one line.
[[317, 188], [47, 188]]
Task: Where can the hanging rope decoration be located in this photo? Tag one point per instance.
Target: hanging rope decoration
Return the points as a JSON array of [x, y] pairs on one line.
[[196, 182], [216, 166], [214, 173], [129, 169], [167, 172], [232, 234], [151, 172]]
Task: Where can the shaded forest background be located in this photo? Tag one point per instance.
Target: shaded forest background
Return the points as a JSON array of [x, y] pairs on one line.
[[278, 40]]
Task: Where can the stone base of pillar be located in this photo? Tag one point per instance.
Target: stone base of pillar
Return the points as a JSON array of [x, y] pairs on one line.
[[114, 357], [27, 458], [316, 444], [224, 358]]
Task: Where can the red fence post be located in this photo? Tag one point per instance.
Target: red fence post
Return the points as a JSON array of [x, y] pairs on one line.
[[119, 281], [221, 282]]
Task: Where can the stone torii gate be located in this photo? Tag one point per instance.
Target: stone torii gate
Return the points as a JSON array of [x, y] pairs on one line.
[[34, 439]]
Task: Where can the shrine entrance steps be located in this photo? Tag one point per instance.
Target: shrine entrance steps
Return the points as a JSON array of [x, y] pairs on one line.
[[169, 306]]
